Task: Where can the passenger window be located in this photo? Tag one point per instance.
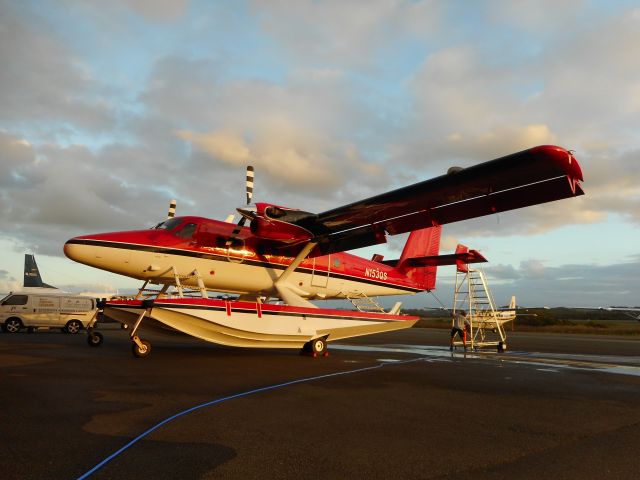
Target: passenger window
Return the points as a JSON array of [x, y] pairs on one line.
[[187, 231], [16, 300]]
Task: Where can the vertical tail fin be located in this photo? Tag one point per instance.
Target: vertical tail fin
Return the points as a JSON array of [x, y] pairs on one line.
[[421, 243], [420, 259], [32, 276]]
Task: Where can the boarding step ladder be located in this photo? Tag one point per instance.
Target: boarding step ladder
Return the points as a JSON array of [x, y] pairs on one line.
[[473, 295], [364, 303]]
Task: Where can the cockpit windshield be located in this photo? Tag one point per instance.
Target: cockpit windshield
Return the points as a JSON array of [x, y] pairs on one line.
[[168, 224]]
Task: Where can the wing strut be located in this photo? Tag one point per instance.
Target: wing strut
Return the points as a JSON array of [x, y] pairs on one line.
[[288, 292]]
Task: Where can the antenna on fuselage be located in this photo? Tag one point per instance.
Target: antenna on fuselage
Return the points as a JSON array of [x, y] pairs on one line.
[[172, 209]]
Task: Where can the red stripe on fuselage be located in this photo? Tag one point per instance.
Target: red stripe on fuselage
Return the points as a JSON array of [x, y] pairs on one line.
[[266, 308]]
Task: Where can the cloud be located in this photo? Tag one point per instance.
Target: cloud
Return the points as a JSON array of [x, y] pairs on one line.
[[471, 106], [532, 269], [296, 134], [502, 272], [53, 193], [292, 157], [536, 284], [41, 79], [533, 15], [345, 34], [596, 285], [448, 243], [8, 283], [228, 146], [157, 10]]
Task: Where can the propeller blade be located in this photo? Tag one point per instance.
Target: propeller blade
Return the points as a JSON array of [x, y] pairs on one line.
[[236, 231], [249, 184], [172, 209], [244, 213]]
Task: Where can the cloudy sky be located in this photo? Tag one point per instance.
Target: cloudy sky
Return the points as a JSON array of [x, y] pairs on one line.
[[110, 109]]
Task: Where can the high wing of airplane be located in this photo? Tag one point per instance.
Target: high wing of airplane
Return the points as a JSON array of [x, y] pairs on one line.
[[297, 256]]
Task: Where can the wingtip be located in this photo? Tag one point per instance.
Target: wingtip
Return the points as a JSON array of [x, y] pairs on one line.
[[563, 158]]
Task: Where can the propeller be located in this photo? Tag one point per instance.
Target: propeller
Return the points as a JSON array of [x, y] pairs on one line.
[[244, 212], [172, 209], [249, 184]]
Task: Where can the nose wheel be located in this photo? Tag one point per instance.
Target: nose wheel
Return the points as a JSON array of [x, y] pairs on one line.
[[140, 348], [95, 339]]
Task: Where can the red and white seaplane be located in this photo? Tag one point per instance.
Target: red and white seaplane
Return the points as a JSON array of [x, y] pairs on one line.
[[295, 256]]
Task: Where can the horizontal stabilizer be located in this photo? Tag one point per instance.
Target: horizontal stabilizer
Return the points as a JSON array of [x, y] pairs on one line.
[[460, 257]]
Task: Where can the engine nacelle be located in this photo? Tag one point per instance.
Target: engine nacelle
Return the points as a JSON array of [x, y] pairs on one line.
[[272, 229]]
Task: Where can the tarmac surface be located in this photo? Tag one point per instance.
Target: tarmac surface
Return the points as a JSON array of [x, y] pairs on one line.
[[396, 405]]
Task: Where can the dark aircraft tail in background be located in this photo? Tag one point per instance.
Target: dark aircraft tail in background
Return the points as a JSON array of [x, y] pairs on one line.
[[32, 276]]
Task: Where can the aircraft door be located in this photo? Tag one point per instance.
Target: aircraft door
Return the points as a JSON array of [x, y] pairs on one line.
[[320, 276]]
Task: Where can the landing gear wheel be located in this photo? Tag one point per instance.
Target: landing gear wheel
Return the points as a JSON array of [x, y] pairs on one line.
[[502, 347], [13, 325], [73, 326], [319, 346], [95, 339], [141, 351]]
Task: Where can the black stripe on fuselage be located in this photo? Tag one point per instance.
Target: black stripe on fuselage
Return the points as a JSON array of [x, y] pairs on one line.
[[224, 258]]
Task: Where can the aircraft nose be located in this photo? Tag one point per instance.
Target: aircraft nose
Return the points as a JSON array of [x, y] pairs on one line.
[[102, 250], [74, 250], [83, 250]]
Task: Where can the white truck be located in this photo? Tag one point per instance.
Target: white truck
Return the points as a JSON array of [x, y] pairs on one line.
[[71, 313]]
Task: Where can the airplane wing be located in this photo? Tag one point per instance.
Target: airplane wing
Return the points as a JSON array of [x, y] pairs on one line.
[[538, 175]]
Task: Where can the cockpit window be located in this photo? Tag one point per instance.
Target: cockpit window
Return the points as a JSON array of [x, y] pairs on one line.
[[169, 224], [187, 231]]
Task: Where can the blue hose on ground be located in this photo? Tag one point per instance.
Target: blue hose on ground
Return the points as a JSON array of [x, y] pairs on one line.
[[231, 397]]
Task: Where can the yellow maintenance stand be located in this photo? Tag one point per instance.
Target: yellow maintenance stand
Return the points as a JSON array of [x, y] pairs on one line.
[[472, 294]]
